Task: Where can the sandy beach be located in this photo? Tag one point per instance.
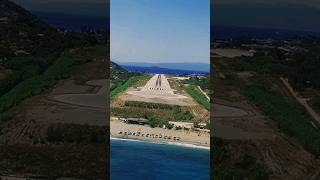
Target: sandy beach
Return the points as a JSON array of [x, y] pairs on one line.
[[123, 130]]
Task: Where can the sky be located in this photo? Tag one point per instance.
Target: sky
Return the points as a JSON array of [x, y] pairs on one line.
[[174, 31]]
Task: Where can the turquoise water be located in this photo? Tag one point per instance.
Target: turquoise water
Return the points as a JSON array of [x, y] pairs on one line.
[[139, 160]]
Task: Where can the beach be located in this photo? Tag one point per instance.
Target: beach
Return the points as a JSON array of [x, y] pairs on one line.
[[119, 129]]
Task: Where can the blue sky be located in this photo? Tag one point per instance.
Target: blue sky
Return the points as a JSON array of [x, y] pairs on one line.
[[160, 30]]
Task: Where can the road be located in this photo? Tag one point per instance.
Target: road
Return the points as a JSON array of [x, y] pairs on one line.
[[302, 101], [158, 84]]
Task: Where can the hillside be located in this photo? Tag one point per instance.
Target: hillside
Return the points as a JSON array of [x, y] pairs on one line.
[[119, 75], [117, 72], [28, 46], [22, 33], [38, 134], [261, 130]]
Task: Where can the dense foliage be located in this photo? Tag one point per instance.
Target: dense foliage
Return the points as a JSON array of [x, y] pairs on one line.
[[203, 81], [301, 68], [225, 166], [40, 83], [156, 121], [119, 75], [290, 116], [178, 113], [198, 96]]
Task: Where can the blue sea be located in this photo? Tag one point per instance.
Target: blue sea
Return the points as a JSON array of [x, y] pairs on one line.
[[158, 70], [141, 160]]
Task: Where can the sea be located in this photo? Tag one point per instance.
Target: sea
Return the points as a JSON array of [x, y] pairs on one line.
[[158, 70], [143, 160]]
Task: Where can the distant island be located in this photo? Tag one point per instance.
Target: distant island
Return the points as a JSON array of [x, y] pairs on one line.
[[169, 68]]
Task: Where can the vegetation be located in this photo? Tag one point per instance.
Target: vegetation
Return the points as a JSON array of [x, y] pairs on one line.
[[198, 96], [156, 121], [291, 117], [119, 75], [28, 46], [203, 81], [228, 167], [84, 161], [182, 115], [72, 133], [300, 68], [178, 112], [122, 87], [315, 102], [41, 83], [151, 105]]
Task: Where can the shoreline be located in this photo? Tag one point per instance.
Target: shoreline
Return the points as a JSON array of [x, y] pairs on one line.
[[123, 131], [186, 145]]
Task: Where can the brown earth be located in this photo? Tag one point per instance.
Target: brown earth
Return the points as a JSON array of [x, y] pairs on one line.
[[34, 127], [117, 103], [255, 134]]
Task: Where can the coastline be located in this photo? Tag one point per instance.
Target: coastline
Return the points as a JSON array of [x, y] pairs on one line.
[[164, 143], [186, 138]]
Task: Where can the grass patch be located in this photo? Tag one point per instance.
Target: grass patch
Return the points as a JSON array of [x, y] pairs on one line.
[[39, 84], [124, 86], [291, 117], [315, 103], [198, 96]]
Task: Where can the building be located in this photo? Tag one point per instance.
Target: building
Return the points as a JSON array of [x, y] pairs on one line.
[[139, 121], [183, 125]]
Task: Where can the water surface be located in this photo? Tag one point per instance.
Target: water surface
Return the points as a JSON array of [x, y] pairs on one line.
[[152, 161]]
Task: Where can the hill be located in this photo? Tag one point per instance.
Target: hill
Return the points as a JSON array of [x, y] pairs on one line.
[[28, 46], [38, 63], [22, 33], [117, 72]]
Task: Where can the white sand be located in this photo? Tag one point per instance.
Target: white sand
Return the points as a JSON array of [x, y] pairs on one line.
[[185, 137]]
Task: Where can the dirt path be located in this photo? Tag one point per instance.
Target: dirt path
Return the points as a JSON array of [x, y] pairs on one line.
[[93, 100], [204, 93], [302, 101], [235, 121]]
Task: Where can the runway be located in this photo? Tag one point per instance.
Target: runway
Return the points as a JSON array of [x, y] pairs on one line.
[[158, 84], [157, 90]]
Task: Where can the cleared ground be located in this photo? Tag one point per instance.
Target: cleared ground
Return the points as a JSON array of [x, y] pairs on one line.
[[230, 53], [157, 90], [247, 131], [94, 100]]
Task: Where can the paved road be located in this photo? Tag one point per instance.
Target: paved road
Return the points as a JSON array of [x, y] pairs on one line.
[[158, 84]]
